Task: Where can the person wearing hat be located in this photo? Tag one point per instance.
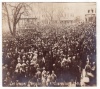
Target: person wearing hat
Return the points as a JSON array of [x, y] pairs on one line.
[[19, 63], [27, 63], [88, 71], [5, 70], [44, 77], [17, 83], [32, 62], [23, 57], [53, 76], [48, 81], [44, 71], [23, 64], [93, 71], [38, 75], [19, 59], [27, 71]]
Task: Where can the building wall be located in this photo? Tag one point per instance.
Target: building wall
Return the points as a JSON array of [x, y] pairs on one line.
[[27, 23], [90, 15]]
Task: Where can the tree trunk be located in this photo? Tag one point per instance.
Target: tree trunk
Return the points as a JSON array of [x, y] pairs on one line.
[[8, 19], [14, 30]]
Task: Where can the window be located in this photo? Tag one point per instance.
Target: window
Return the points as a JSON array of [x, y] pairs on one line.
[[92, 10], [88, 11]]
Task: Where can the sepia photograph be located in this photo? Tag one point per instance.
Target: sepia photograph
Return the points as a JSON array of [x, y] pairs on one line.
[[49, 44]]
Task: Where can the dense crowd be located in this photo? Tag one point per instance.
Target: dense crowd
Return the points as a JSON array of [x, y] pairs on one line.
[[50, 56]]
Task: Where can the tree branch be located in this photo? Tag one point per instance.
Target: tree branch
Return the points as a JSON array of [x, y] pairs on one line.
[[8, 18], [19, 17]]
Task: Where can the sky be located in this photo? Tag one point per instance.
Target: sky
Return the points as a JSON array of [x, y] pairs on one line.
[[79, 9]]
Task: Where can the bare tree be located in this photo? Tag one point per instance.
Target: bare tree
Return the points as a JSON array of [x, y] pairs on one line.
[[47, 12], [60, 13], [17, 11], [51, 13]]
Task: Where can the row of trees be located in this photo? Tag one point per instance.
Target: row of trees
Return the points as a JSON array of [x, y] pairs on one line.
[[14, 11]]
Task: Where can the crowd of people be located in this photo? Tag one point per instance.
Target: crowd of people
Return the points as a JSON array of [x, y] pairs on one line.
[[50, 57]]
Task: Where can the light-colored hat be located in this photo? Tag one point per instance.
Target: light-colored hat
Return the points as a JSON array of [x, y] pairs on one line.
[[43, 68], [23, 61], [19, 60]]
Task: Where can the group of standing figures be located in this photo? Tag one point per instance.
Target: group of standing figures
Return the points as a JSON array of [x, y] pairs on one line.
[[51, 57]]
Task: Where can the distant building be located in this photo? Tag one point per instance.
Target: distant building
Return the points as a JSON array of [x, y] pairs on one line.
[[68, 19], [90, 16], [27, 23]]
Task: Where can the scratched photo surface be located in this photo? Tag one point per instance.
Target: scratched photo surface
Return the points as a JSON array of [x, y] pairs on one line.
[[49, 44]]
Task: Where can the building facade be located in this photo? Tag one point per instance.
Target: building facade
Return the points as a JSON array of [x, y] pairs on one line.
[[90, 16], [27, 23]]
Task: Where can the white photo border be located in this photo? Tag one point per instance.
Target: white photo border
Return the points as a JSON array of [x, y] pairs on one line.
[[97, 35]]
